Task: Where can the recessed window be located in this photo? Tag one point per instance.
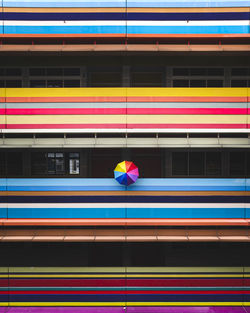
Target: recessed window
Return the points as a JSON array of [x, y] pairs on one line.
[[74, 163], [54, 83], [13, 83], [146, 79], [56, 163], [240, 71], [197, 83], [240, 83], [237, 163], [180, 163], [180, 71], [71, 71], [214, 83], [54, 71], [180, 83], [72, 83], [105, 79], [38, 83], [13, 72], [196, 163], [14, 163], [37, 71], [213, 163]]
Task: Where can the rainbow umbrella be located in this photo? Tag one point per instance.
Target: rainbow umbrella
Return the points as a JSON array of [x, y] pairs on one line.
[[126, 173]]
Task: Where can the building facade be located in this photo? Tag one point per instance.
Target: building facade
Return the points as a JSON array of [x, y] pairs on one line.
[[86, 85]]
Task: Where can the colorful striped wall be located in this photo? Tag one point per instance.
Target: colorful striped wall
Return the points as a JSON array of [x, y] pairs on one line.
[[122, 18], [157, 109], [105, 202], [125, 289]]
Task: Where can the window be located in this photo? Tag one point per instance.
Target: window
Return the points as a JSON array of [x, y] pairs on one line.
[[213, 163], [105, 79], [147, 79], [237, 163], [14, 163], [74, 163], [38, 163], [196, 163], [56, 163], [2, 163], [180, 163]]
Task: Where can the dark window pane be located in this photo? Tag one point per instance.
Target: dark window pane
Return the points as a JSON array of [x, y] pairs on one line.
[[105, 254], [196, 163], [109, 157], [198, 71], [2, 163], [149, 162], [55, 84], [197, 83], [71, 71], [237, 163], [214, 83], [248, 164], [54, 71], [13, 72], [140, 256], [2, 71], [38, 83], [14, 163], [2, 83], [37, 71], [72, 83], [180, 72], [180, 83], [56, 163], [104, 79], [213, 163], [240, 72], [180, 163], [215, 72], [13, 83], [38, 163], [147, 79], [239, 83]]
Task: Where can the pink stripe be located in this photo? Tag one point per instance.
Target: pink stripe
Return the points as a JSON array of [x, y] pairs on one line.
[[123, 99], [2, 111], [123, 126], [113, 111]]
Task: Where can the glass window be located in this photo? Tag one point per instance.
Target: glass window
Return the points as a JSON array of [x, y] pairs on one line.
[[72, 83], [54, 83], [239, 83], [197, 83], [14, 163], [105, 79], [37, 71], [38, 83], [2, 83], [146, 79], [240, 71], [71, 71], [198, 71], [13, 83], [56, 163], [54, 71], [180, 163], [13, 72], [180, 72], [196, 163], [215, 71], [180, 83], [2, 163], [38, 163], [74, 163], [237, 163], [214, 83], [213, 163]]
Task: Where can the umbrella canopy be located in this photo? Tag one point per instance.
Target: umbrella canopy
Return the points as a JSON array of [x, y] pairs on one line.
[[126, 173]]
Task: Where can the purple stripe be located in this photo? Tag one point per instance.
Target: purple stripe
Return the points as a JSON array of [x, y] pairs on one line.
[[227, 309]]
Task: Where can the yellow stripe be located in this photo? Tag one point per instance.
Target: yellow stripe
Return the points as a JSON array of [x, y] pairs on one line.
[[123, 92], [120, 276], [122, 119], [117, 304], [69, 10]]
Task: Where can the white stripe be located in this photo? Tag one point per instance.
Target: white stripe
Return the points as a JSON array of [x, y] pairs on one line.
[[124, 23], [123, 205]]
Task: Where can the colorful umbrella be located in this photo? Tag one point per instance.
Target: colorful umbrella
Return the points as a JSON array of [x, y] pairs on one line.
[[126, 173]]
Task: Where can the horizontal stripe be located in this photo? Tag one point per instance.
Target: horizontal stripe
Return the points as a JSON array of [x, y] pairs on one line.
[[125, 9], [128, 23], [126, 126], [124, 222], [194, 99], [130, 16], [124, 105], [129, 111], [129, 29]]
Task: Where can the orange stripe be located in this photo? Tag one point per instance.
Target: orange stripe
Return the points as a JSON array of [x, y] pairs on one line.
[[125, 222]]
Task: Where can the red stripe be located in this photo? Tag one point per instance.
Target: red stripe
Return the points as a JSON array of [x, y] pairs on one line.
[[124, 99], [130, 292], [139, 111], [125, 221], [124, 126], [127, 282]]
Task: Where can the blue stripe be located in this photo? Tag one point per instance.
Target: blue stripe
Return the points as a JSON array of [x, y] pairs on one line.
[[125, 16], [3, 212], [188, 29], [64, 29], [176, 184], [125, 199], [122, 3], [244, 29], [122, 297], [123, 212]]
